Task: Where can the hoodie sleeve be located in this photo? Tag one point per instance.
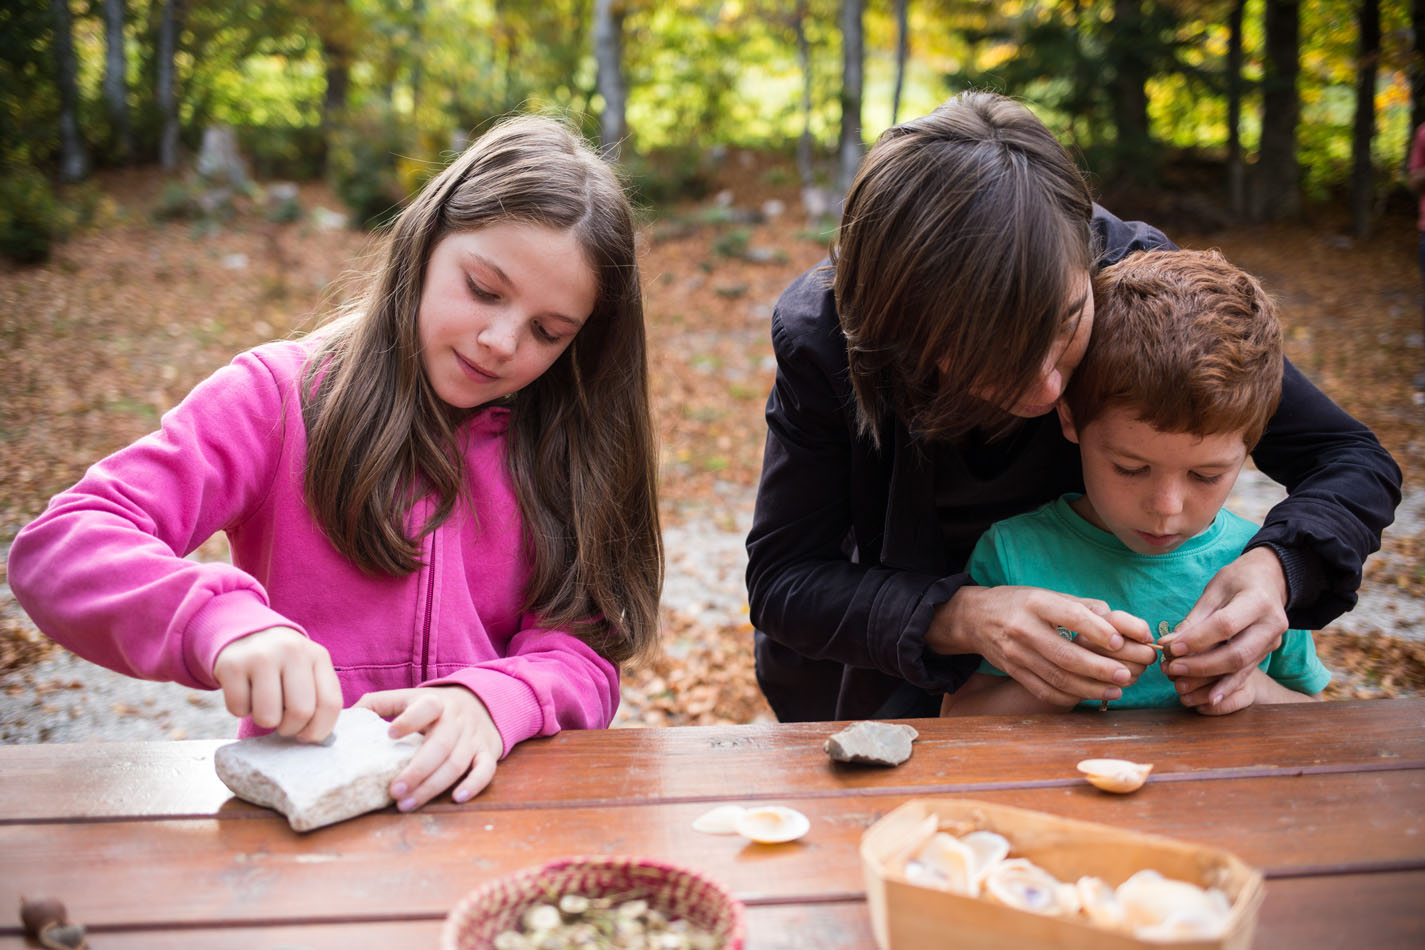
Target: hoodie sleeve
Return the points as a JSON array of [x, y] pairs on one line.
[[547, 681], [104, 571]]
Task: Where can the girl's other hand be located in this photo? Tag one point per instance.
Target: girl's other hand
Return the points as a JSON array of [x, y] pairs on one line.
[[283, 680], [461, 741]]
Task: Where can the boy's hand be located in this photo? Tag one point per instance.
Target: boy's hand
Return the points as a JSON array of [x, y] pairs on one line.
[[281, 679], [461, 741], [1238, 620]]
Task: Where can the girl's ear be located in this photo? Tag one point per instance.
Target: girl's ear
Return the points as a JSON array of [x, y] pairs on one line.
[[1066, 421]]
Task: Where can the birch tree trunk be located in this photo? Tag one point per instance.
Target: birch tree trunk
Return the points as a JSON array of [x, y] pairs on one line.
[[902, 50], [805, 169], [608, 55], [116, 65], [167, 101], [851, 57], [73, 163]]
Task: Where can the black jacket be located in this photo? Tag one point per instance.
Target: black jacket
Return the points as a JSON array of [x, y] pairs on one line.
[[847, 560]]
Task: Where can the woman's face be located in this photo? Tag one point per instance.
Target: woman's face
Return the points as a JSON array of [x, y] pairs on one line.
[[498, 307], [1064, 356]]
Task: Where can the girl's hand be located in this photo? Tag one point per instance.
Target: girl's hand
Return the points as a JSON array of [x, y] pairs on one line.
[[1017, 630], [1238, 620], [460, 740], [281, 679]]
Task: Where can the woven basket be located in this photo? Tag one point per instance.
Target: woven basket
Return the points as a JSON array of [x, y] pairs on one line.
[[678, 892]]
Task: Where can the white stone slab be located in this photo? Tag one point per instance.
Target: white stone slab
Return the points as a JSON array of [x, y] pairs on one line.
[[316, 785]]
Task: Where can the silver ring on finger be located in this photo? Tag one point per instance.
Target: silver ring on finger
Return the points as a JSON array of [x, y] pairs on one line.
[[1070, 635]]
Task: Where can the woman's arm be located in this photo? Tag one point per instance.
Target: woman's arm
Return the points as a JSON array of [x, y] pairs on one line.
[[805, 590]]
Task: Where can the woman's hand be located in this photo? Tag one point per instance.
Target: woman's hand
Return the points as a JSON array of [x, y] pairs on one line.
[[281, 679], [461, 741], [1017, 630], [1238, 620]]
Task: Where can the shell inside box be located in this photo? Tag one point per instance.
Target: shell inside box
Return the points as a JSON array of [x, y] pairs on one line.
[[911, 916]]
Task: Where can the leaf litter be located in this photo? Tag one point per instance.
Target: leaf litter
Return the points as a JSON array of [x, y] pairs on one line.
[[132, 312]]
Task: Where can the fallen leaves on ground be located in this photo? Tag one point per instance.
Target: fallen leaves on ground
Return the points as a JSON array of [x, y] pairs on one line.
[[131, 313]]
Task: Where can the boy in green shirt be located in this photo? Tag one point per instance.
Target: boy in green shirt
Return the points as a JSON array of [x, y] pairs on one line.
[[1182, 372]]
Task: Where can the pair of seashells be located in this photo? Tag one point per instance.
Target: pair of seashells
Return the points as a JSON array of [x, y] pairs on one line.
[[765, 824], [1147, 904]]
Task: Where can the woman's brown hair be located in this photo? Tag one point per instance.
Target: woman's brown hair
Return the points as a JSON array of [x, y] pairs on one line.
[[581, 444], [963, 236]]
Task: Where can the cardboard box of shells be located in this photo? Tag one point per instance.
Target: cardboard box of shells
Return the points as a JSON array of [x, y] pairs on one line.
[[993, 876]]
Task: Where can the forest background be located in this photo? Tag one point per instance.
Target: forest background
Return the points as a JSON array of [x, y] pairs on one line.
[[181, 179]]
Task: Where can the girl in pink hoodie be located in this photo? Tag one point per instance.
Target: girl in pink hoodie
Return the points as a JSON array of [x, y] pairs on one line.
[[441, 506]]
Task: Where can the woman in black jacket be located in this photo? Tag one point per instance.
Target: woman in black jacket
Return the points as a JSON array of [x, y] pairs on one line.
[[913, 407]]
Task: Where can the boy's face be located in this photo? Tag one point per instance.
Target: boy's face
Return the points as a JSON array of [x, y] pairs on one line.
[[1152, 490]]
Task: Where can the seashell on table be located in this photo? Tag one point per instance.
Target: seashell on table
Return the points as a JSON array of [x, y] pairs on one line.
[[1115, 775]]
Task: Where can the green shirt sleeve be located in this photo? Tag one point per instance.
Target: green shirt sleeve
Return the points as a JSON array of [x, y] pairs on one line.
[[1295, 664]]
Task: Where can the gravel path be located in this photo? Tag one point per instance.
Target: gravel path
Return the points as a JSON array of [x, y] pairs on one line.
[[66, 699]]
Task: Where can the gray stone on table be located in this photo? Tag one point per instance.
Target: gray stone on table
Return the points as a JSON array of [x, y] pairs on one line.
[[872, 742], [317, 785]]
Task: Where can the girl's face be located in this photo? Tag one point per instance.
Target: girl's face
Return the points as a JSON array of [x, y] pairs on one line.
[[498, 307]]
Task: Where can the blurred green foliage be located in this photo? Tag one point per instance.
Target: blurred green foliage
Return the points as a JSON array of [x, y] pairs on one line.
[[377, 94]]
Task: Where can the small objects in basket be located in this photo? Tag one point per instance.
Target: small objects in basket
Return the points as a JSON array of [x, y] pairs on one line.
[[597, 901], [575, 921], [1115, 775], [1146, 905]]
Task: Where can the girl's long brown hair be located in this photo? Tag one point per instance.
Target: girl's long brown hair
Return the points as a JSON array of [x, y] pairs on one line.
[[581, 444]]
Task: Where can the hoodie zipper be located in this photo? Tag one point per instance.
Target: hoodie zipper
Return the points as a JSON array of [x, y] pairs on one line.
[[430, 608]]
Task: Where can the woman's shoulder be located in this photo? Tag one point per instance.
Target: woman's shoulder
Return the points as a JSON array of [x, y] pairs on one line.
[[805, 315], [1115, 239]]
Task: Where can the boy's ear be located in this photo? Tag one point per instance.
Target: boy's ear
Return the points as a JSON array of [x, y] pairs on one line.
[[1066, 422]]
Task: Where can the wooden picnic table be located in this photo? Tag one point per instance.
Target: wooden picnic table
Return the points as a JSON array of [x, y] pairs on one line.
[[148, 849]]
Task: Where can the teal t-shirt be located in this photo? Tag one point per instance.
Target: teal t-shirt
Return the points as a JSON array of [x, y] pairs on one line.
[[1053, 547]]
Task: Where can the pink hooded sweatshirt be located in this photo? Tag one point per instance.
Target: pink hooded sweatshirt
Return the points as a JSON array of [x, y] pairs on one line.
[[104, 570]]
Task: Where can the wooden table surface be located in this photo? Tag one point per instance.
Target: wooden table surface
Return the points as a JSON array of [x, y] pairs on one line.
[[148, 849]]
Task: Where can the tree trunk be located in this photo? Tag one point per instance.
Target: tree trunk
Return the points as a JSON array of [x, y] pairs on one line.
[[167, 101], [116, 65], [805, 169], [1362, 168], [73, 163], [608, 54], [338, 76], [902, 50], [417, 53], [1417, 69], [1130, 91], [1276, 192], [851, 59], [1236, 164]]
